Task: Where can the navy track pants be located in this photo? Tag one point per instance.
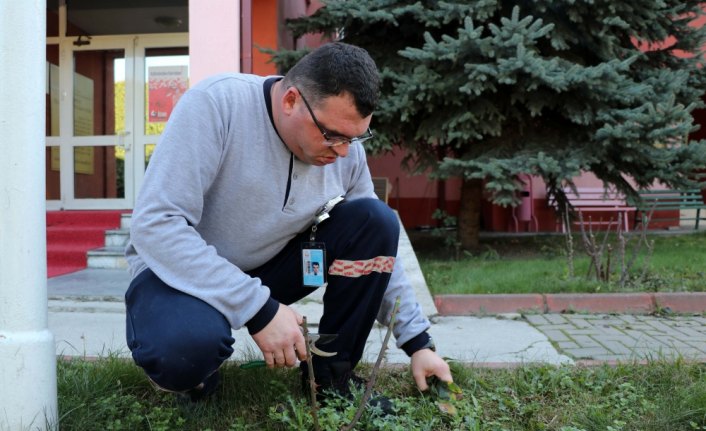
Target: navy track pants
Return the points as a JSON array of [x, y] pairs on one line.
[[179, 340]]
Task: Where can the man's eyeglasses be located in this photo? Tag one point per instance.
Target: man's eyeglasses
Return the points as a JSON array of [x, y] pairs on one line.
[[331, 140]]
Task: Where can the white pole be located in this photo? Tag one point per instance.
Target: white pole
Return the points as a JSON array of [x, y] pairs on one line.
[[27, 351]]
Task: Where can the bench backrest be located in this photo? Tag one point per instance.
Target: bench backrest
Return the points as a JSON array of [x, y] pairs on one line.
[[671, 199], [595, 197]]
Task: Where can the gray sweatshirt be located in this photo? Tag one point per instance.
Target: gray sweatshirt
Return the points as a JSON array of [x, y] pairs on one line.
[[212, 202]]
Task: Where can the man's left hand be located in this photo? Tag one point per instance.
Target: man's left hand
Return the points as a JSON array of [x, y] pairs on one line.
[[426, 363]]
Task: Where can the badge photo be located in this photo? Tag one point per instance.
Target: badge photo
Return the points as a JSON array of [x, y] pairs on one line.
[[313, 264]]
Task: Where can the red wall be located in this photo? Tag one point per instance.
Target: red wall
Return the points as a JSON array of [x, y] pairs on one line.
[[264, 35]]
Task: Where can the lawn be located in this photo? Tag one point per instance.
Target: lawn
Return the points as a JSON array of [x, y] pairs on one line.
[[539, 264], [113, 394]]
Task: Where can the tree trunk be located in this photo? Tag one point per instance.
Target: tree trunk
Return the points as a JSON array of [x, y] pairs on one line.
[[469, 214]]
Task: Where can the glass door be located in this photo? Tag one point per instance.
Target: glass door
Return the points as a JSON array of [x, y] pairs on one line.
[[108, 100], [161, 78], [97, 127]]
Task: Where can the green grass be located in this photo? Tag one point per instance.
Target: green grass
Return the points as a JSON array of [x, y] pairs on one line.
[[539, 264], [113, 394]]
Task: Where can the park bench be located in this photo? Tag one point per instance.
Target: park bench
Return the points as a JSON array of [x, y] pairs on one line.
[[664, 205], [598, 200]]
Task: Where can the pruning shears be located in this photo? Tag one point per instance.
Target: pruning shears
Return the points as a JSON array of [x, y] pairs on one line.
[[314, 338]]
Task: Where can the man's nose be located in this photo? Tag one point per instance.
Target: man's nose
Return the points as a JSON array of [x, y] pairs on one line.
[[341, 150]]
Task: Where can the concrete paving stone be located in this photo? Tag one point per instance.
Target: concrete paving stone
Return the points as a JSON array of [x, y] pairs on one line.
[[687, 321], [587, 352], [589, 316], [567, 345], [610, 330], [646, 340], [580, 323], [616, 347], [624, 339], [556, 335], [689, 332], [613, 322], [592, 331], [659, 326], [655, 355], [585, 341], [556, 319], [660, 335], [556, 327], [636, 327], [691, 347], [678, 344], [698, 346], [627, 318], [536, 319]]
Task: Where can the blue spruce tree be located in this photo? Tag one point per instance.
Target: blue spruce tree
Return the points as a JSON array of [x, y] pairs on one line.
[[489, 90]]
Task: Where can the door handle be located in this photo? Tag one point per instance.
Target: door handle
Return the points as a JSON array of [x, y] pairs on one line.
[[126, 143]]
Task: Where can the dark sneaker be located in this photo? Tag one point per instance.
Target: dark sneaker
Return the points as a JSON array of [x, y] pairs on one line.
[[204, 390], [336, 379]]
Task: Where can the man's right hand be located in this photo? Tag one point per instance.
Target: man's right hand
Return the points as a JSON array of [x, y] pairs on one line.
[[282, 341]]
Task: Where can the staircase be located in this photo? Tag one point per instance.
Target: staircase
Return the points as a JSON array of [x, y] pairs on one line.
[[70, 234], [112, 254]]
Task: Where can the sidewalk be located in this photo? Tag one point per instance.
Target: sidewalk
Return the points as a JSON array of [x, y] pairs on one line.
[[87, 318]]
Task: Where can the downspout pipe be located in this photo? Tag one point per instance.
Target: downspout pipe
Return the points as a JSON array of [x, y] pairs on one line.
[[28, 398]]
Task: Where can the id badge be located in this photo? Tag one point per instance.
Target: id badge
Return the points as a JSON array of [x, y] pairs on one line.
[[313, 264]]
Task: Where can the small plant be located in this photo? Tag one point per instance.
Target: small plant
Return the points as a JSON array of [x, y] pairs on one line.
[[447, 230], [602, 252]]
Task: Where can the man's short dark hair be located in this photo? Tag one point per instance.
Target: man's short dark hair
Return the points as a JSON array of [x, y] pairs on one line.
[[337, 68]]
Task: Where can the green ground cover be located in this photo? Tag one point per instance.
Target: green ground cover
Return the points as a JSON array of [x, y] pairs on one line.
[[539, 264], [113, 394]]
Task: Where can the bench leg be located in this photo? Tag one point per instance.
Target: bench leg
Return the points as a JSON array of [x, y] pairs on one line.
[[698, 214]]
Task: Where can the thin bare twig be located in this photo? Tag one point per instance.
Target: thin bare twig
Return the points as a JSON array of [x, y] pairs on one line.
[[312, 382], [373, 374], [650, 249], [604, 274], [569, 244], [642, 239], [622, 244]]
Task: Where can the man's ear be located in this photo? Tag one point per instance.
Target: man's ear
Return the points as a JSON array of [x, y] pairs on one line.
[[288, 100]]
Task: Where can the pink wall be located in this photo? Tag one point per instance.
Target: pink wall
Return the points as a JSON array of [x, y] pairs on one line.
[[214, 38], [415, 197]]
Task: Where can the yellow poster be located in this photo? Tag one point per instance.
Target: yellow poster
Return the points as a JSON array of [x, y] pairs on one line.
[[83, 160], [54, 100], [83, 122], [55, 159]]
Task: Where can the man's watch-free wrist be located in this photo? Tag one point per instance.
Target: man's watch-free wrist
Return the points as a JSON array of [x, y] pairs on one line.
[[429, 345]]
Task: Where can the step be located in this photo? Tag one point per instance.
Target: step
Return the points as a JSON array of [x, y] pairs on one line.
[[125, 219], [90, 236], [66, 255], [83, 218], [117, 237], [107, 258]]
